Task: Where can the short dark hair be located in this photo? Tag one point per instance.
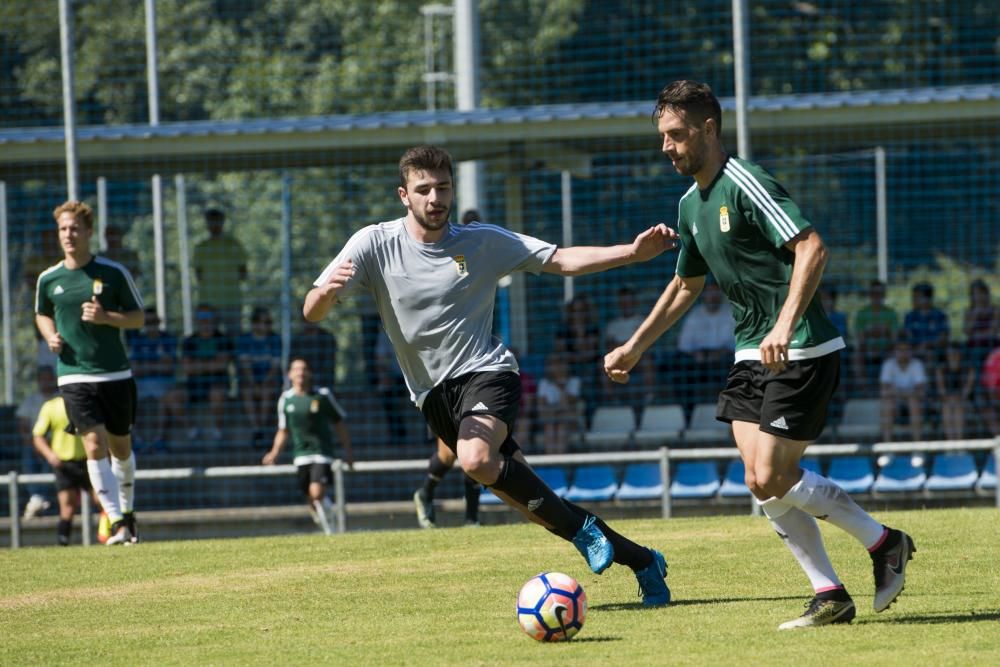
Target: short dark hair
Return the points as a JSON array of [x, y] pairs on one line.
[[695, 99], [924, 289], [214, 215], [471, 215], [424, 158]]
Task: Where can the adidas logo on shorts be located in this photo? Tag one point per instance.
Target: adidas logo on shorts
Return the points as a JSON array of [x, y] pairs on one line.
[[480, 406], [780, 423]]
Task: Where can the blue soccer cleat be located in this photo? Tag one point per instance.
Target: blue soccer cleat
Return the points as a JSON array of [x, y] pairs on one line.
[[594, 546], [653, 581]]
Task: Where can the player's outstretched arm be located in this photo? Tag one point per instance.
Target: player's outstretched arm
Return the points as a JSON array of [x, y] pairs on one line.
[[320, 299], [677, 297], [580, 260]]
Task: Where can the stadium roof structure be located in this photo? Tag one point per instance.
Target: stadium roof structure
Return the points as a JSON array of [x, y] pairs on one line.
[[560, 135]]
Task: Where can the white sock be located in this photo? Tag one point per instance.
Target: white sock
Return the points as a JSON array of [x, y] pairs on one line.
[[124, 470], [106, 486], [823, 499], [800, 533]]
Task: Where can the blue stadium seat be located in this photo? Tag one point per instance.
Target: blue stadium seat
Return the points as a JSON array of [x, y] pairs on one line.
[[695, 479], [900, 475], [733, 485], [593, 483], [852, 473], [988, 478], [952, 472], [554, 476], [641, 481]]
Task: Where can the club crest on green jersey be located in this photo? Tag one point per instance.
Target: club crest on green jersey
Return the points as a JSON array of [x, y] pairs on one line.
[[724, 218], [461, 266]]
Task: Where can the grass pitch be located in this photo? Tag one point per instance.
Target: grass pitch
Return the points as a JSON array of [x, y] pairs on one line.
[[446, 597]]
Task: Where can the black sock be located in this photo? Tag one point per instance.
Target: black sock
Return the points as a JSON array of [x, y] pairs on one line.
[[521, 483], [837, 594], [435, 471], [627, 552], [471, 499], [64, 531]]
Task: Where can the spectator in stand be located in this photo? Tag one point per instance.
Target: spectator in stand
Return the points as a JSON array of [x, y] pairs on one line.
[[391, 389], [707, 344], [982, 334], [955, 381], [258, 354], [828, 297], [579, 340], [618, 331], [904, 383], [926, 326], [559, 405], [205, 358], [154, 362], [27, 414], [875, 329], [115, 250], [989, 383], [318, 348], [220, 263]]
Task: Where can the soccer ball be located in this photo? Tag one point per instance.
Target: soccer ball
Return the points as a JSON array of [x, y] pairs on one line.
[[551, 607]]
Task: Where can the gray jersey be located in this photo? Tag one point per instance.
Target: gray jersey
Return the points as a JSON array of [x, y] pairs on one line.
[[436, 299]]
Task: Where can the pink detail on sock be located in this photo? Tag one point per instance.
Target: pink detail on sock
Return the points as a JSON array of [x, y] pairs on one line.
[[885, 534], [830, 588]]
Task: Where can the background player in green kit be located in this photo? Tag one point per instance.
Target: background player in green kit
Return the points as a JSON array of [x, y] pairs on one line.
[[81, 305], [305, 414], [739, 223]]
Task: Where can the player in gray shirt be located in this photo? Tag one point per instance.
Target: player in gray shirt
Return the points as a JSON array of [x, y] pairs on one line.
[[434, 285]]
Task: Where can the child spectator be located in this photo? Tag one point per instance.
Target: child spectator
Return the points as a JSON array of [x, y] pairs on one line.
[[904, 382], [955, 381]]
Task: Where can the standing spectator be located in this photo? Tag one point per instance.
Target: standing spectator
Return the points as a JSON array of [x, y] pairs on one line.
[[68, 458], [926, 325], [707, 344], [81, 307], [955, 381], [305, 414], [616, 332], [258, 354], [27, 414], [154, 353], [559, 405], [904, 382], [318, 347], [875, 329], [205, 358], [220, 263]]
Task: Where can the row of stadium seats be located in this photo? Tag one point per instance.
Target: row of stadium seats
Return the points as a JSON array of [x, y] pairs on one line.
[[701, 479], [660, 425]]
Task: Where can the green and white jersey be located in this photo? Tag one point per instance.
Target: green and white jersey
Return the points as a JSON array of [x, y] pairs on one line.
[[91, 352], [737, 229], [308, 417]]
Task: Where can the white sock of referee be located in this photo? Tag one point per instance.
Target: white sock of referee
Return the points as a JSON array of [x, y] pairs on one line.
[[106, 487], [823, 499], [124, 471], [800, 533]]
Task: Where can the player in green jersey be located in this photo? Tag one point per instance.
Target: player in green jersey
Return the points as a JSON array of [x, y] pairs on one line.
[[738, 223], [305, 414], [81, 306]]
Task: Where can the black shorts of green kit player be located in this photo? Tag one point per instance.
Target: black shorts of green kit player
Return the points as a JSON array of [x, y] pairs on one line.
[[791, 404], [72, 475], [314, 473], [494, 393], [90, 404]]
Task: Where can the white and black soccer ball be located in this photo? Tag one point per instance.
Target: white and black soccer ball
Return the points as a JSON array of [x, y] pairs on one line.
[[551, 607]]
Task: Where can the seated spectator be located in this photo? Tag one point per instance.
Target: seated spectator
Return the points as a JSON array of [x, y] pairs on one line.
[[559, 405], [926, 326], [579, 339], [318, 348], [707, 346], [154, 362], [205, 358], [524, 430], [27, 414], [616, 332], [904, 383], [258, 354], [828, 297], [982, 323], [955, 380], [875, 328], [392, 390], [989, 386]]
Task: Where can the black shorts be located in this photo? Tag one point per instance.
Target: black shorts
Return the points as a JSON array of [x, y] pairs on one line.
[[314, 473], [791, 404], [90, 404], [494, 393], [72, 475]]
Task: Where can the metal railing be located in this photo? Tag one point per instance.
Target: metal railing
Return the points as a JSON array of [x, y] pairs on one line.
[[341, 471]]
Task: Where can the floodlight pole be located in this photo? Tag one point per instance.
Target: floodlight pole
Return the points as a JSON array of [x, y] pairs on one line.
[[741, 75], [69, 108], [153, 88]]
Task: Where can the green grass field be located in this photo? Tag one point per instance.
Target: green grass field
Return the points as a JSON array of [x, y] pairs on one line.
[[446, 597]]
